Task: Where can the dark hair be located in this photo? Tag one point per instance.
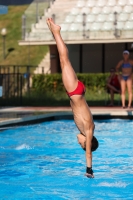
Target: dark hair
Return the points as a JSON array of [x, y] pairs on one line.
[[94, 144]]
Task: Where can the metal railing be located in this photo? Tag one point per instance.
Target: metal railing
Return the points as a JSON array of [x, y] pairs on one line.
[[14, 82], [33, 13]]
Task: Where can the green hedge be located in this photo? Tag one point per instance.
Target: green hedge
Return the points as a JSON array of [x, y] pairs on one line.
[[53, 82]]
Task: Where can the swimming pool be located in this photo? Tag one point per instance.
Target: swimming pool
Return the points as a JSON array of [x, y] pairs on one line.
[[45, 162]]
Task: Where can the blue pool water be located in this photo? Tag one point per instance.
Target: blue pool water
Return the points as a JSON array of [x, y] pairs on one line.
[[45, 162]]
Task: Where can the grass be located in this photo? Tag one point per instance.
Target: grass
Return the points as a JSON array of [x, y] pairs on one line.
[[59, 98], [15, 54]]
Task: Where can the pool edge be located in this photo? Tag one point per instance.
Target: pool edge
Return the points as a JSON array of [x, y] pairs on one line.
[[11, 123]]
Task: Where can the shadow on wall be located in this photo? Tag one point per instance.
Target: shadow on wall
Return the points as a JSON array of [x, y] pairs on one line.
[[9, 51]]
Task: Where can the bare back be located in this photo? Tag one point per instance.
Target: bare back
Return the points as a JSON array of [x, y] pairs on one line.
[[82, 115]]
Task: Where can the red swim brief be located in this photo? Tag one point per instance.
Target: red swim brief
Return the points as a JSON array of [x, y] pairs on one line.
[[80, 90]]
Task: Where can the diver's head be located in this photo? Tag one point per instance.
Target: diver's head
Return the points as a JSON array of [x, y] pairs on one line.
[[82, 141]]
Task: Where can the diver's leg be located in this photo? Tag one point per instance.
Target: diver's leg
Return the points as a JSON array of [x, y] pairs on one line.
[[68, 74]]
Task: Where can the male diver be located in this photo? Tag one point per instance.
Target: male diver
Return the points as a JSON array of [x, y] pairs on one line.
[[76, 90]]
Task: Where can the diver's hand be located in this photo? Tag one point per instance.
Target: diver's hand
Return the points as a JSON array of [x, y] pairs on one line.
[[89, 172], [89, 175]]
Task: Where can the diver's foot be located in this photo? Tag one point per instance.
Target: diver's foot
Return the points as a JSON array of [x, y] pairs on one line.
[[52, 26]]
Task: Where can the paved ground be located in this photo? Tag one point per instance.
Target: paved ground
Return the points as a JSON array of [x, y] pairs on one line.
[[95, 110], [15, 116]]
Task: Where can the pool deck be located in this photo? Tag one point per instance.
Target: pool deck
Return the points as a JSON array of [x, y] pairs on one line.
[[95, 110], [15, 116]]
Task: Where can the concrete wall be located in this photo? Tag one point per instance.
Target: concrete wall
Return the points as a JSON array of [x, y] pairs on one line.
[[74, 56], [54, 59], [92, 56], [113, 54]]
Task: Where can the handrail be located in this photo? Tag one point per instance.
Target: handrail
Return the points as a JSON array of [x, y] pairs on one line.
[[33, 13]]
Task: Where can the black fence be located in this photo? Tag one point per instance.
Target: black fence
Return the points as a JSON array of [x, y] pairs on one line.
[[15, 82]]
